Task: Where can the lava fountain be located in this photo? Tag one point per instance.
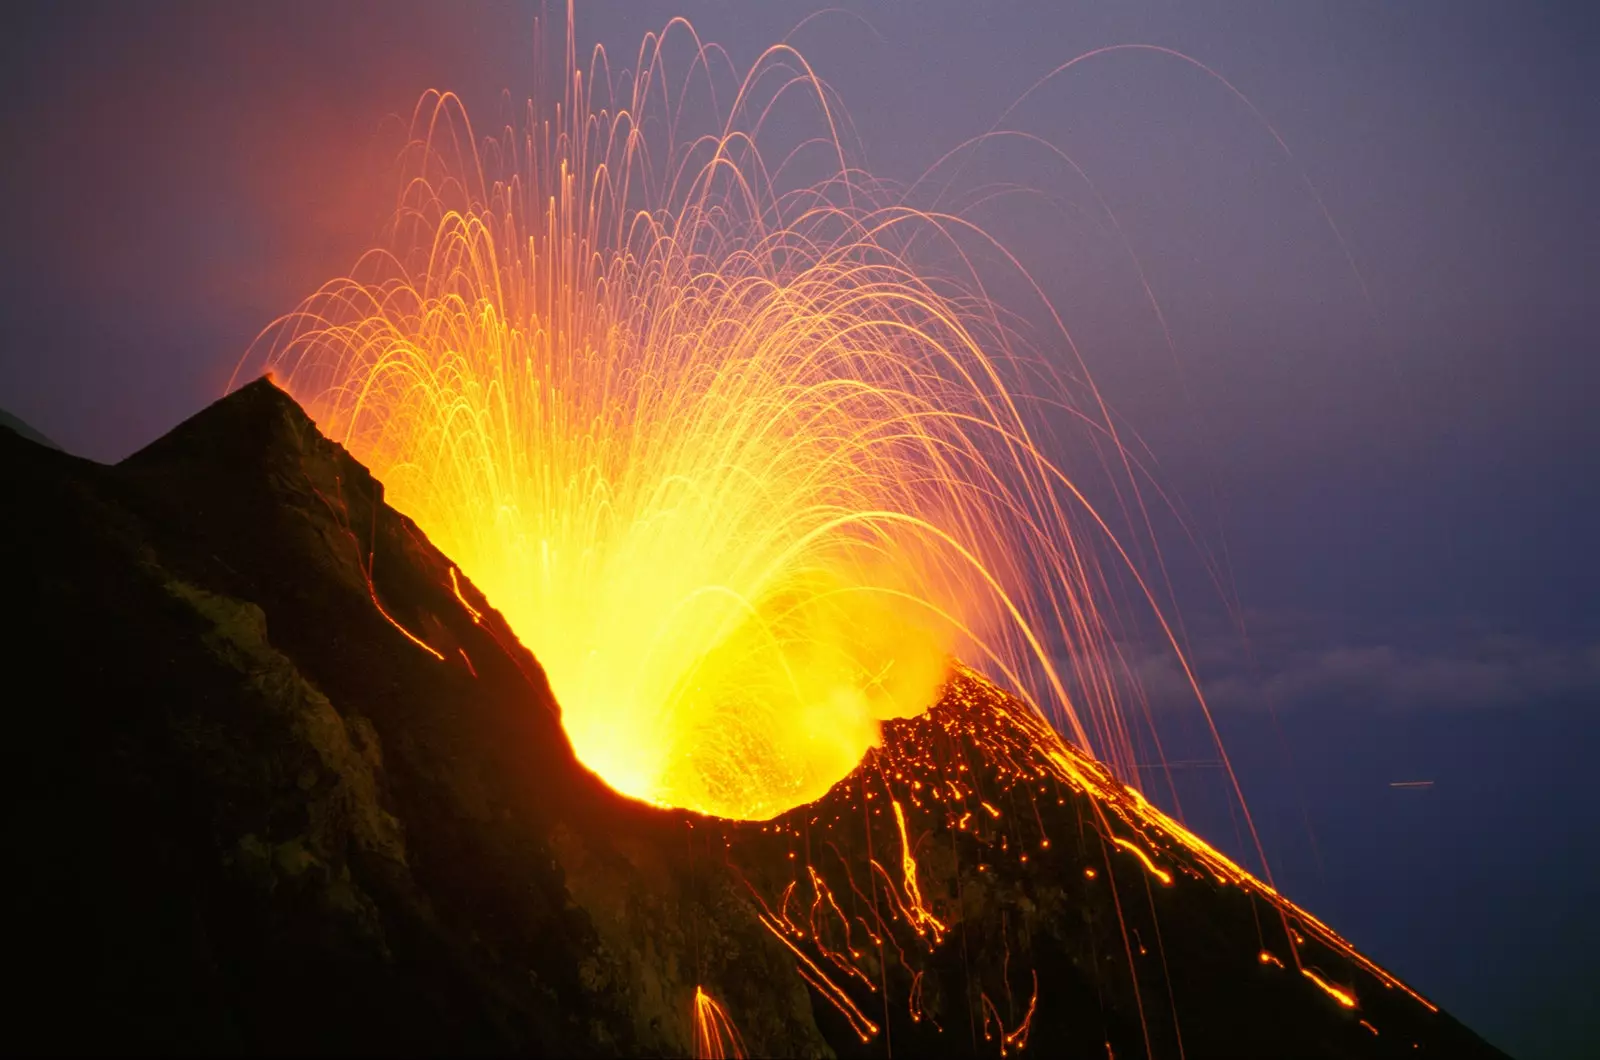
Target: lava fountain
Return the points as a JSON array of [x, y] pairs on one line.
[[737, 465]]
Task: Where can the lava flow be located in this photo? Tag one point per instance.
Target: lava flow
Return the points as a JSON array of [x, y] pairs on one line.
[[740, 471]]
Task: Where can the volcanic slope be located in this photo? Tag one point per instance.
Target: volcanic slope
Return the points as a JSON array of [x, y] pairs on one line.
[[284, 781]]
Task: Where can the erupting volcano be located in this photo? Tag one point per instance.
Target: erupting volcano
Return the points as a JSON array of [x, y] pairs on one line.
[[741, 470], [736, 475]]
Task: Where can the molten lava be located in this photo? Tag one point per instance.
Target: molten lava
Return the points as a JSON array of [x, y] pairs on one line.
[[741, 476]]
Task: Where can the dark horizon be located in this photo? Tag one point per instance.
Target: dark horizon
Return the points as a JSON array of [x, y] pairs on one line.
[[1406, 481]]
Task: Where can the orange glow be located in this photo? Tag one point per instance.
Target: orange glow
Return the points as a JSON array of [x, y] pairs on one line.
[[1151, 867], [914, 1002], [921, 918], [819, 981], [1016, 1039], [341, 515], [412, 637], [455, 587], [1344, 997], [715, 1036], [740, 471]]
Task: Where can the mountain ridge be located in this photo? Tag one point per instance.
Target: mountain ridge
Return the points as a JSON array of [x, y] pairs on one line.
[[294, 786], [20, 427]]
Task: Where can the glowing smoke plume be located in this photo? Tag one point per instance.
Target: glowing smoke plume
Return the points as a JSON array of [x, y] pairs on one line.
[[739, 472]]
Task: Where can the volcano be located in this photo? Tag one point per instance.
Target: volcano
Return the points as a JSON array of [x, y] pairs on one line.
[[286, 782]]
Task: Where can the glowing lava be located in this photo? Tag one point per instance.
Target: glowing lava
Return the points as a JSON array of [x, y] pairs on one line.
[[739, 473]]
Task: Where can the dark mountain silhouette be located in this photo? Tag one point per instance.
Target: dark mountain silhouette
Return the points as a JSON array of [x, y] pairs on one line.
[[13, 423], [283, 781]]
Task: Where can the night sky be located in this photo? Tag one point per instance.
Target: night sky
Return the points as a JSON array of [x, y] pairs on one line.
[[1406, 480]]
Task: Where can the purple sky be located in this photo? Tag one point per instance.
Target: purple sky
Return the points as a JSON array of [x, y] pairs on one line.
[[1409, 487]]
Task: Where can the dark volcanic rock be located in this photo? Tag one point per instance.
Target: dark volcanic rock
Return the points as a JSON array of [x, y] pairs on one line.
[[8, 420], [277, 788]]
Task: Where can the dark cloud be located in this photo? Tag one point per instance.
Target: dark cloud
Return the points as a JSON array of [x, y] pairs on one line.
[[1503, 672], [1301, 664]]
